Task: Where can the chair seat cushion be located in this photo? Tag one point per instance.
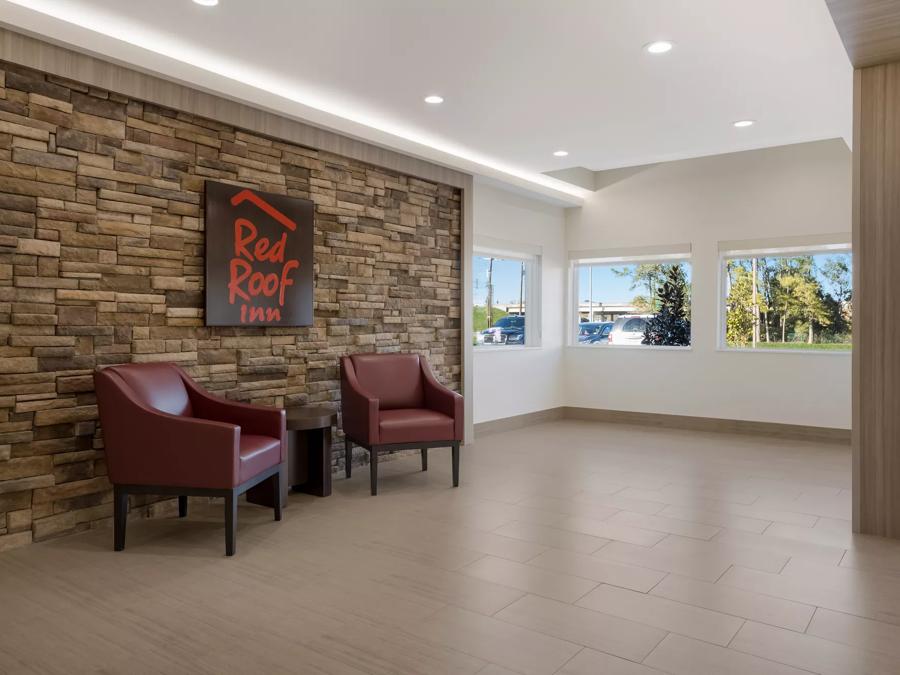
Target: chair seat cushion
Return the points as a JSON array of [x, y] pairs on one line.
[[258, 453], [412, 425]]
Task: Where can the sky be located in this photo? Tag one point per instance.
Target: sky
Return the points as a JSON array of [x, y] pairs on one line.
[[609, 287], [506, 275], [506, 283]]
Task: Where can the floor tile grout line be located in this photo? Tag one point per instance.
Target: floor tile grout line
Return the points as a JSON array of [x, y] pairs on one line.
[[656, 646], [531, 560], [524, 595], [841, 561], [650, 590], [568, 661], [727, 570], [714, 644], [811, 617], [743, 623], [590, 579], [766, 658], [601, 547], [607, 614], [597, 584], [786, 562], [743, 619]]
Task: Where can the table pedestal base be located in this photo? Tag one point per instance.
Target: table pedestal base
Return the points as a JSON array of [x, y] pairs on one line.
[[308, 468], [309, 465]]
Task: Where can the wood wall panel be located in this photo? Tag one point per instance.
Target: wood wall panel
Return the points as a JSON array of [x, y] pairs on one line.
[[876, 353], [870, 29]]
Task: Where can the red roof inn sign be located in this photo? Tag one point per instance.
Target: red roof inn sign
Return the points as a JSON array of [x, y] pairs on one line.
[[259, 258]]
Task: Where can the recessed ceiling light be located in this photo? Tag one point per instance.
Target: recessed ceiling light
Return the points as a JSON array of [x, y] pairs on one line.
[[740, 124], [659, 47], [207, 3], [560, 153], [434, 100]]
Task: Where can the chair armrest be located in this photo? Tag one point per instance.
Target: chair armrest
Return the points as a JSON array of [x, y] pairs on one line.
[[359, 410], [252, 419], [443, 399], [145, 446]]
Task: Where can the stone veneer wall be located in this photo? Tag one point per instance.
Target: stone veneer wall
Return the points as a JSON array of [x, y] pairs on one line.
[[101, 262]]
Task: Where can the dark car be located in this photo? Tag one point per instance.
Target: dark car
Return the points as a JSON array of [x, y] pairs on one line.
[[510, 330], [594, 332]]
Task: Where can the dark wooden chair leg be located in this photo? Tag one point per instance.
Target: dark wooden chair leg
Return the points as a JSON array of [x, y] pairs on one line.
[[373, 470], [230, 522], [348, 456], [182, 506], [456, 465], [277, 487], [424, 459], [120, 517]]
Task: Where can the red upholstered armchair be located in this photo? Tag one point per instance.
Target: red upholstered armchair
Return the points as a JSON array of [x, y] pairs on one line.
[[165, 435], [393, 402]]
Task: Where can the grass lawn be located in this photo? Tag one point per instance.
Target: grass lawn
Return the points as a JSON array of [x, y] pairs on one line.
[[479, 317], [816, 347]]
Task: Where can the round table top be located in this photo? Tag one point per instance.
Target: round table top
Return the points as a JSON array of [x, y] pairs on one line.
[[305, 417]]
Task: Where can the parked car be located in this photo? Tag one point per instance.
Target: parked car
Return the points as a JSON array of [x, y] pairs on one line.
[[629, 330], [594, 332], [509, 330]]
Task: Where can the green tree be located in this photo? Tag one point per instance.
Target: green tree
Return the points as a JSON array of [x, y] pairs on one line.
[[741, 314], [671, 325], [649, 276], [739, 305], [767, 287], [800, 296], [837, 273], [812, 307], [643, 305], [788, 273]]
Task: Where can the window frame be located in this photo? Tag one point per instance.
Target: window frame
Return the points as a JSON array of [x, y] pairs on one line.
[[662, 255], [774, 251], [532, 258]]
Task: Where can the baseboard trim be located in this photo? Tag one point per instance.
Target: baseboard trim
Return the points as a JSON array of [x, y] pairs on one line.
[[797, 432], [518, 421]]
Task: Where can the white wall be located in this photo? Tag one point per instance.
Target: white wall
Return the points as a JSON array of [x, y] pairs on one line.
[[778, 192], [513, 381]]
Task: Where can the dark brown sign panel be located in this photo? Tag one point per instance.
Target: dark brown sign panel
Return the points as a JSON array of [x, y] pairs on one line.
[[259, 258]]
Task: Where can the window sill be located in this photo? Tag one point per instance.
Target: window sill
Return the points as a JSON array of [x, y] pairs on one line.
[[505, 348], [643, 348], [815, 352]]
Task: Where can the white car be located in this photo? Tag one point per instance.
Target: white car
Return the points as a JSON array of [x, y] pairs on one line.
[[629, 330]]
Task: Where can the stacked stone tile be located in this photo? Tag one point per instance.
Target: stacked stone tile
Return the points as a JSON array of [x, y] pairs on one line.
[[101, 262]]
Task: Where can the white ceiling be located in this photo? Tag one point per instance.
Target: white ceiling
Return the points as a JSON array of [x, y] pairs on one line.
[[520, 78]]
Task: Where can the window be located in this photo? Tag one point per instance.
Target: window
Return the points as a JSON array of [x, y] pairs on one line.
[[503, 306], [638, 301], [788, 299]]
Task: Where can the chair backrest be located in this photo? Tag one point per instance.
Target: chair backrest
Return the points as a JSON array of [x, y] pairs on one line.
[[158, 385], [394, 379]]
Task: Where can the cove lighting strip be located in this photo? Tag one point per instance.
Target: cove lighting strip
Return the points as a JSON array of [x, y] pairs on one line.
[[236, 71]]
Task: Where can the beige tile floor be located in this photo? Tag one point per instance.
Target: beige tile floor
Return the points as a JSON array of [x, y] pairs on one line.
[[571, 548]]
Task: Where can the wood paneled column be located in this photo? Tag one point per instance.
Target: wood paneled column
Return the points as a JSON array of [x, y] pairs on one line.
[[870, 30], [876, 302]]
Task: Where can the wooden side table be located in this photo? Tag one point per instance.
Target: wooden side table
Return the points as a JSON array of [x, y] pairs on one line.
[[308, 455], [309, 448]]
